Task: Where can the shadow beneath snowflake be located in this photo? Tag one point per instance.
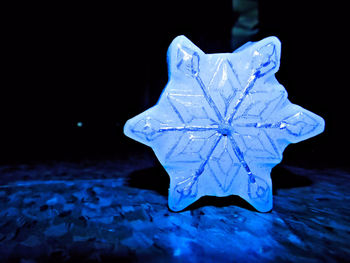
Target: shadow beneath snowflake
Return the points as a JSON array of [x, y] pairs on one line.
[[232, 200], [283, 178], [153, 178]]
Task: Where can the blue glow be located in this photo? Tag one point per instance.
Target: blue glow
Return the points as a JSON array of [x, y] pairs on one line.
[[79, 124], [177, 252], [222, 123]]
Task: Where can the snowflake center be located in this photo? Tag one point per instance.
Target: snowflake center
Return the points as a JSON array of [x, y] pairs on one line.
[[225, 129]]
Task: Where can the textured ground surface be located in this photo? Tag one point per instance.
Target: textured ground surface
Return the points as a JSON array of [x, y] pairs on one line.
[[114, 211]]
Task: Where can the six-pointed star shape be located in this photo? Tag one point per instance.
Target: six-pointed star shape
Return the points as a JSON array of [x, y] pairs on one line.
[[222, 123]]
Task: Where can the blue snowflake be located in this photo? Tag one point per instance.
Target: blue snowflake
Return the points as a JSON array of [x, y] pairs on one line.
[[222, 123]]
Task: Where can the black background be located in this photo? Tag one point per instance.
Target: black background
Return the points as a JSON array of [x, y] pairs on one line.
[[101, 64]]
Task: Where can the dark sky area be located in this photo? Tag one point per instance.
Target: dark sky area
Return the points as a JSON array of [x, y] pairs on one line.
[[101, 64]]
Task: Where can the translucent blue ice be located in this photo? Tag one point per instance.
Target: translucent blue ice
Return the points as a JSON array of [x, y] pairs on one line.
[[222, 123]]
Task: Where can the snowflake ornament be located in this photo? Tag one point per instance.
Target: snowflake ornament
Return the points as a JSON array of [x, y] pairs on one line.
[[222, 123]]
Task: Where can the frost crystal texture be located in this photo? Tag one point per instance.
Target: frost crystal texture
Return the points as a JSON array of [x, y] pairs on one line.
[[222, 123]]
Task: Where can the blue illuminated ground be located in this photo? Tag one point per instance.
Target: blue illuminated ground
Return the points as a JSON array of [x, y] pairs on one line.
[[116, 211]]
